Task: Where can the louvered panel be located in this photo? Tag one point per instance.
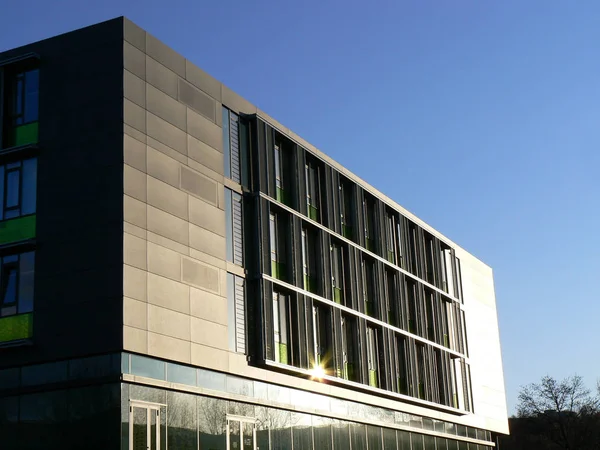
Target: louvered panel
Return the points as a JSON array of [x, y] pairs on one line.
[[238, 252], [240, 316], [234, 140]]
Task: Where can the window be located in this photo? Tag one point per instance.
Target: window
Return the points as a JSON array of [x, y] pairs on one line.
[[21, 105], [430, 259], [236, 313], [310, 252], [281, 327], [369, 218], [393, 298], [350, 348], [402, 364], [322, 339], [411, 300], [430, 304], [391, 238], [311, 173], [446, 270], [337, 273], [236, 142], [369, 290], [18, 182], [413, 241], [278, 247], [233, 225], [278, 163], [421, 371], [16, 296], [16, 281], [373, 343], [346, 202]]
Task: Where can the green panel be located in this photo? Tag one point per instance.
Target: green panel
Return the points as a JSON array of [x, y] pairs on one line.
[[337, 295], [369, 308], [283, 353], [14, 328], [26, 134], [446, 341], [347, 231], [349, 371], [277, 270], [390, 257], [421, 390], [310, 284], [18, 229], [370, 244], [313, 212], [391, 318], [373, 378], [280, 195]]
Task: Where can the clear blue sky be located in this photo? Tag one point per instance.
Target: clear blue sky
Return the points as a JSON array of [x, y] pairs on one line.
[[481, 117]]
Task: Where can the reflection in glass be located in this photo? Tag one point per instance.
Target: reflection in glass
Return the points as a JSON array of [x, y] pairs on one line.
[[181, 411], [417, 441], [177, 373], [140, 428], [153, 414], [341, 435], [212, 423], [28, 199], [452, 444], [440, 443], [462, 445], [247, 436], [403, 440], [240, 386], [211, 380], [234, 435], [429, 442], [280, 424], [359, 436], [302, 431], [389, 439], [240, 409], [322, 432], [262, 427], [374, 437], [147, 367], [147, 394]]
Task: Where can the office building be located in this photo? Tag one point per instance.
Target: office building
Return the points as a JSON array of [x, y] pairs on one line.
[[181, 271]]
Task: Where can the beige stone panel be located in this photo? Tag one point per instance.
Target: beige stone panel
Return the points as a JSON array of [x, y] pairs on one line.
[[209, 333], [168, 322], [136, 134], [135, 313], [209, 357], [134, 251], [207, 241], [168, 347], [134, 115], [168, 293], [200, 275], [134, 88], [134, 283], [208, 306], [171, 153], [134, 183], [205, 154], [134, 211], [135, 340], [134, 153], [167, 198], [167, 225], [164, 262], [207, 216], [135, 230], [202, 128], [168, 243], [162, 167]]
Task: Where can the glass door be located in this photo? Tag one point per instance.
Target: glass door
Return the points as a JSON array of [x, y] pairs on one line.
[[241, 433], [144, 426]]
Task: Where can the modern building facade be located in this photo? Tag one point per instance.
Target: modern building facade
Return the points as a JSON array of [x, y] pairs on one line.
[[181, 271]]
